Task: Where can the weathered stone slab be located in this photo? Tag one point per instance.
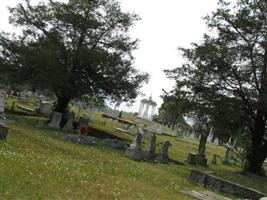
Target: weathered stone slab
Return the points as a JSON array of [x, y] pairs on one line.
[[45, 108], [80, 139], [69, 125], [205, 195], [149, 153], [194, 159], [55, 120], [163, 154], [3, 132], [227, 187], [115, 143], [134, 152]]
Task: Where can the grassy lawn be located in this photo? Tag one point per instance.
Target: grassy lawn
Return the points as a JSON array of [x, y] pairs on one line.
[[37, 163]]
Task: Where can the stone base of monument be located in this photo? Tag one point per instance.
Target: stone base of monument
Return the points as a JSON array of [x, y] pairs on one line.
[[149, 156], [3, 132], [194, 159], [209, 179], [115, 143], [134, 154], [80, 139], [163, 159]]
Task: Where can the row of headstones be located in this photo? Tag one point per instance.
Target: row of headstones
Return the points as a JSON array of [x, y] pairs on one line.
[[57, 117], [202, 160], [135, 152]]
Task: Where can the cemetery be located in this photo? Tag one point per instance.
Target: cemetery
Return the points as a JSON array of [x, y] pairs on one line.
[[148, 160], [80, 119]]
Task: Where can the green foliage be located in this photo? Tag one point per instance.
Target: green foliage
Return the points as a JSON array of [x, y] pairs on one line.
[[74, 49], [226, 74]]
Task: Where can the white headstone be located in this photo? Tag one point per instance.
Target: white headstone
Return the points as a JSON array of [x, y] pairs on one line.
[[55, 120]]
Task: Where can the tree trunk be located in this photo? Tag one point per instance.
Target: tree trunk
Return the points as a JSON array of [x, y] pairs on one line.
[[62, 104], [258, 150], [62, 107]]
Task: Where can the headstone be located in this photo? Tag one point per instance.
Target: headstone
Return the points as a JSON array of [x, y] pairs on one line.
[[78, 139], [45, 108], [192, 158], [134, 152], [69, 125], [216, 141], [149, 152], [115, 143], [83, 125], [215, 159], [55, 120], [163, 154]]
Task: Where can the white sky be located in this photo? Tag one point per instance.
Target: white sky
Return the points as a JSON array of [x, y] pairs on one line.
[[165, 26]]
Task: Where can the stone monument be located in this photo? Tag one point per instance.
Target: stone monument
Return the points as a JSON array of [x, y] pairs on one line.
[[163, 154], [55, 120], [134, 152], [149, 152], [69, 125]]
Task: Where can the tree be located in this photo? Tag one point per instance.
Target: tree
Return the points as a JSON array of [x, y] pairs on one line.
[[77, 48], [228, 70], [172, 109]]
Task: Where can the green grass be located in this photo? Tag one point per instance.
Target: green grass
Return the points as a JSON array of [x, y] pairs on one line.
[[40, 164]]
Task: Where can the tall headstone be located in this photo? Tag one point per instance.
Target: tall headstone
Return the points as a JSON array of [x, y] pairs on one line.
[[134, 152], [149, 152], [69, 125], [201, 158], [163, 154], [55, 120]]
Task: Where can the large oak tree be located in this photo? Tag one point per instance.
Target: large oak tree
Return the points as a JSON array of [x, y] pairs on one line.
[[74, 48]]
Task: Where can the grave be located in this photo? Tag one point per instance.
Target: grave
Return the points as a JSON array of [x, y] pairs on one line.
[[55, 120], [163, 156], [149, 152], [134, 152], [45, 108], [204, 195], [208, 179], [115, 143], [69, 125], [80, 139]]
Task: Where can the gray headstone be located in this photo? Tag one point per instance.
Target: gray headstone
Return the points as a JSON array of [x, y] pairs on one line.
[[69, 125], [134, 152], [55, 120], [114, 143], [45, 108], [149, 152], [78, 139], [163, 154]]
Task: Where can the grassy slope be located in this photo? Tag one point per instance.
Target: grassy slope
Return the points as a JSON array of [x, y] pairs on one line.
[[39, 164]]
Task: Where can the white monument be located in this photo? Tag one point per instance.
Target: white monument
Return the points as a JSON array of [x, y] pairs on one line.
[[147, 108]]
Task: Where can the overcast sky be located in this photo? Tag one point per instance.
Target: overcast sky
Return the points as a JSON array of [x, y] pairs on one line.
[[165, 26]]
